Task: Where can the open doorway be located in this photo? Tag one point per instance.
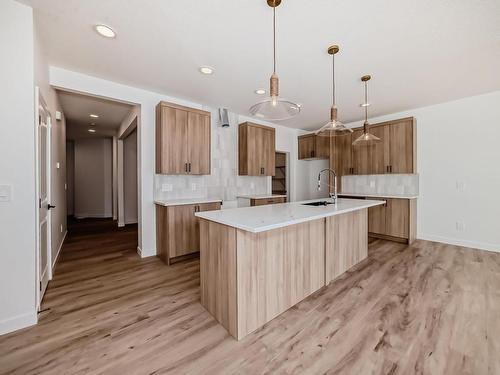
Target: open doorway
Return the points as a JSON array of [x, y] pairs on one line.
[[101, 164]]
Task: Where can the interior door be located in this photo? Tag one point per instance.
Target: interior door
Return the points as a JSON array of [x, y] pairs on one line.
[[43, 145]]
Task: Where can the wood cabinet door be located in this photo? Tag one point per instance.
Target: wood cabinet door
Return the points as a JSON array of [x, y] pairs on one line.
[[401, 147], [377, 219], [173, 139], [360, 156], [397, 217], [198, 143], [342, 158], [307, 146], [378, 154], [268, 152], [213, 206], [255, 144], [183, 235], [322, 147]]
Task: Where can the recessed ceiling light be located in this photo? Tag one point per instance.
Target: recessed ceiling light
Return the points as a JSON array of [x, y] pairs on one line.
[[92, 124], [91, 130], [105, 31], [365, 105], [94, 116], [206, 70], [260, 91]]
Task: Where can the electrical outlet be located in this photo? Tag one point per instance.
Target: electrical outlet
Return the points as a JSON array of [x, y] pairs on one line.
[[459, 226], [460, 185], [166, 187]]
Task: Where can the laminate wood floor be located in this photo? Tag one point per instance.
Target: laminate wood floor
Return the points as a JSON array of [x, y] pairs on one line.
[[425, 309]]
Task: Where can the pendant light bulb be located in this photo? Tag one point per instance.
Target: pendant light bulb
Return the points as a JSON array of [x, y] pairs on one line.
[[333, 127], [366, 139], [274, 108]]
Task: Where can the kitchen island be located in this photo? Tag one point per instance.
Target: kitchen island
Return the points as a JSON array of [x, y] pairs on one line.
[[257, 262]]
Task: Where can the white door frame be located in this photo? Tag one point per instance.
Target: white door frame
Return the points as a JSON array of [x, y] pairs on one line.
[[42, 110]]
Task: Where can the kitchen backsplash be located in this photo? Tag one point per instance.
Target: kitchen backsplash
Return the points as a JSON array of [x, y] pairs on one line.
[[224, 181], [390, 184]]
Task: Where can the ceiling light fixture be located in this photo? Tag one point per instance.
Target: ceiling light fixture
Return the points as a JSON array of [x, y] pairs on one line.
[[94, 116], [333, 127], [105, 31], [260, 91], [91, 130], [366, 139], [206, 70], [274, 107]]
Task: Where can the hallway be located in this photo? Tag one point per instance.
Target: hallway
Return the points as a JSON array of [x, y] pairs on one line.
[[110, 312]]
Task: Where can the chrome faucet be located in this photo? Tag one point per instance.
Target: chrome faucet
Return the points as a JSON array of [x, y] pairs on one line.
[[333, 195]]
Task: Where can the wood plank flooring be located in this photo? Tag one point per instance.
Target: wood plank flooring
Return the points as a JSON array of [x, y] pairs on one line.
[[423, 309]]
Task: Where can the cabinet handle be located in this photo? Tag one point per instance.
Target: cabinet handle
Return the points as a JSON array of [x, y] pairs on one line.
[[387, 168], [186, 167], [391, 168], [312, 153], [189, 167]]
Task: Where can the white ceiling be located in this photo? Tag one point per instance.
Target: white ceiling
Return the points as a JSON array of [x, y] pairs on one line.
[[418, 52], [77, 109]]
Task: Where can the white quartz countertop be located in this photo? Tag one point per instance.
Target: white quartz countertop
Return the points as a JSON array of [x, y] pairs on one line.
[[180, 202], [396, 196], [262, 218], [262, 196]]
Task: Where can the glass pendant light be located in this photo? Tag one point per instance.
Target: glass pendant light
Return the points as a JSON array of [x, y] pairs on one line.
[[275, 108], [333, 127], [366, 139]]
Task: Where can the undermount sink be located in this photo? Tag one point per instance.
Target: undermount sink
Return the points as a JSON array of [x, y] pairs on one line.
[[321, 203]]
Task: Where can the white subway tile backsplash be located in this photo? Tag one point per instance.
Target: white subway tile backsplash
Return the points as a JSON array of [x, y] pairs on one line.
[[389, 184]]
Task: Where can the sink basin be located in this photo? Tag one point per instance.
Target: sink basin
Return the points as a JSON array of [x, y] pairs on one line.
[[321, 203]]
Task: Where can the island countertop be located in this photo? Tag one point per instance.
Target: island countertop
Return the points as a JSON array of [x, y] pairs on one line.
[[263, 218]]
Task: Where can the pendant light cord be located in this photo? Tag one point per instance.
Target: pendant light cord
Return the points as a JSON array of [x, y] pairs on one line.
[[274, 39], [333, 80], [366, 101]]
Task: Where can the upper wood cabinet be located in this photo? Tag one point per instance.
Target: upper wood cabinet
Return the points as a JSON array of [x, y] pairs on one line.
[[182, 140], [256, 150], [312, 147], [395, 154]]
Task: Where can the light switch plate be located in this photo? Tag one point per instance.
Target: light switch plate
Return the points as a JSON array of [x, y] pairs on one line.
[[5, 193], [58, 165]]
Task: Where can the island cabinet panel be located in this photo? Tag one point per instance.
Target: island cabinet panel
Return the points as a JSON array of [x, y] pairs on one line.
[[350, 247], [247, 278], [277, 269], [396, 220], [256, 150], [182, 140]]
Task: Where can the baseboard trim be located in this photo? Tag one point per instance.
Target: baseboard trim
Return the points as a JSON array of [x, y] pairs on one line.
[[120, 224], [18, 322], [92, 216], [463, 243], [54, 264]]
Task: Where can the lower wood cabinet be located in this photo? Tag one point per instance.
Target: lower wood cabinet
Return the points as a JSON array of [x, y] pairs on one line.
[[265, 201], [177, 230], [395, 220]]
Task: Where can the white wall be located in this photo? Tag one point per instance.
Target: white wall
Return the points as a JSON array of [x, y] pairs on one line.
[[17, 168], [93, 178], [70, 176], [130, 178], [58, 147], [457, 160]]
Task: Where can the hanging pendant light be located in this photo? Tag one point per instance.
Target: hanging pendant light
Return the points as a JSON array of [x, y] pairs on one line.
[[333, 127], [275, 108], [366, 139]]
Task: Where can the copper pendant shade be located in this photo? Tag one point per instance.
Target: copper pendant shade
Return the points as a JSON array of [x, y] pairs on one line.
[[333, 127], [366, 139], [274, 108]]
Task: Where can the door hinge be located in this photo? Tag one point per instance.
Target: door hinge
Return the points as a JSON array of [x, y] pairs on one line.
[[40, 286]]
